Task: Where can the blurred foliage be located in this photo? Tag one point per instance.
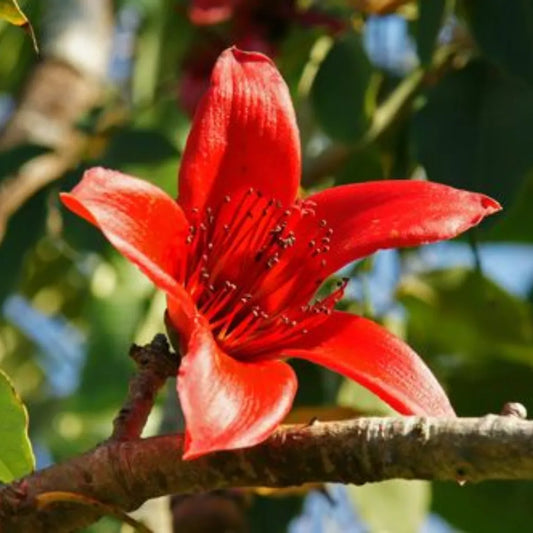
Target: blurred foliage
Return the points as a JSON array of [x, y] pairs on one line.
[[449, 101]]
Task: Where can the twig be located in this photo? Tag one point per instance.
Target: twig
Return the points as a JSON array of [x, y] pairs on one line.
[[127, 473], [155, 363]]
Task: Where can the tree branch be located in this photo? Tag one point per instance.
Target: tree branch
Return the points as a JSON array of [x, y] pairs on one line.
[[127, 473]]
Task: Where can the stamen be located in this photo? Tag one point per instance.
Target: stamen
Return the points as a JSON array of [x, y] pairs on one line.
[[244, 250]]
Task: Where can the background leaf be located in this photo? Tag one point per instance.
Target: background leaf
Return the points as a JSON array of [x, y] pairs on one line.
[[339, 89], [16, 456], [430, 19]]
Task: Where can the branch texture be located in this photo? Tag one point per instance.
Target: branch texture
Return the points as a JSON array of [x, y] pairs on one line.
[[127, 473]]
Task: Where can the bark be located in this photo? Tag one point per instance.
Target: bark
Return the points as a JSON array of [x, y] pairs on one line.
[[362, 450]]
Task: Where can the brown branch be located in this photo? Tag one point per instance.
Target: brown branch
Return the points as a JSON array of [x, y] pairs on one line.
[[127, 473], [155, 364]]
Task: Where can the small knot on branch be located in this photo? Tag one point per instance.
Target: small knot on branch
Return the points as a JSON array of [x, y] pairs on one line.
[[514, 409], [156, 357]]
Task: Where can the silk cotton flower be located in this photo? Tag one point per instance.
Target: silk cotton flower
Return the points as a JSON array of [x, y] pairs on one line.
[[240, 258]]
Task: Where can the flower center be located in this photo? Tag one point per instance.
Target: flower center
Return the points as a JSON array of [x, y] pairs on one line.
[[252, 267]]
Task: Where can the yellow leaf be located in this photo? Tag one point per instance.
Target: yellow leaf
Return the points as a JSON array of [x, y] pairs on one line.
[[300, 490], [45, 499], [379, 7], [308, 415], [10, 11]]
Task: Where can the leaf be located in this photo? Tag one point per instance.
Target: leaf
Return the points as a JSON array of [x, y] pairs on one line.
[[379, 7], [117, 308], [504, 31], [486, 506], [10, 11], [397, 505], [24, 229], [460, 312], [473, 133], [138, 146], [322, 413], [49, 498], [16, 456], [351, 395], [339, 89], [517, 221], [430, 19]]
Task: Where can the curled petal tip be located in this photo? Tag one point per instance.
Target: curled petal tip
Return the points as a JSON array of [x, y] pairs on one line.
[[247, 55], [490, 205]]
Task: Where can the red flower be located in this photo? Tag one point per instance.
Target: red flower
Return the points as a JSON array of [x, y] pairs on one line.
[[240, 257], [211, 11]]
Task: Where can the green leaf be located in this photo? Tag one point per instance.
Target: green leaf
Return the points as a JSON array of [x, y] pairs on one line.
[[504, 31], [16, 456], [117, 308], [24, 229], [517, 220], [138, 146], [397, 505], [339, 89], [430, 19], [460, 312], [484, 507], [474, 131], [353, 395]]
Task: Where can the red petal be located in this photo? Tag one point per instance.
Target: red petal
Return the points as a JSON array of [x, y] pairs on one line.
[[244, 135], [367, 217], [141, 221], [367, 353], [228, 403], [204, 12]]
